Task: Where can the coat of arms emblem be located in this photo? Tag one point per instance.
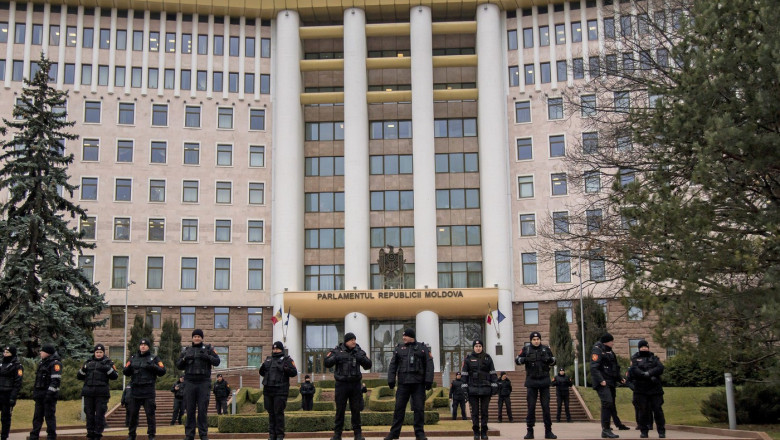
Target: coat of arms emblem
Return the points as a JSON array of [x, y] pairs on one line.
[[391, 268]]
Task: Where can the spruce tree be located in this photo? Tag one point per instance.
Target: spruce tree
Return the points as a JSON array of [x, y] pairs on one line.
[[560, 339], [44, 296], [170, 344], [139, 330], [595, 325]]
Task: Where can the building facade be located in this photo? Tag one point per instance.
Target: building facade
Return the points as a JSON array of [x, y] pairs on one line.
[[244, 163]]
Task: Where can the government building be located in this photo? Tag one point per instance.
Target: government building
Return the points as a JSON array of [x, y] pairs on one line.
[[294, 170]]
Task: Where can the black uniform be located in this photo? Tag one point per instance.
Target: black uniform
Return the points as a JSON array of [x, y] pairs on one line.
[[537, 361], [363, 391], [11, 373], [178, 401], [480, 375], [127, 397], [412, 363], [276, 370], [46, 390], [645, 373], [96, 373], [604, 368], [347, 362], [458, 395], [504, 398], [221, 394], [307, 396], [196, 361], [562, 383], [143, 368]]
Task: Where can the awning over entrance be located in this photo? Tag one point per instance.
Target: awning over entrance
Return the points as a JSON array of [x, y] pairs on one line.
[[391, 303]]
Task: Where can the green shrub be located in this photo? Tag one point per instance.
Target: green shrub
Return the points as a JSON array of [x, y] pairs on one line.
[[211, 419], [309, 421], [324, 406], [687, 371], [755, 404], [293, 403], [378, 401]]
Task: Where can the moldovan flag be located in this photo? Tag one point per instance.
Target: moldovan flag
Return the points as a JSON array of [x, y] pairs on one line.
[[277, 317], [489, 318]]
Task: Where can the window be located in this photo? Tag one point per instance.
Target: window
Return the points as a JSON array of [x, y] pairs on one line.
[[219, 45], [224, 354], [555, 108], [87, 227], [611, 64], [457, 198], [256, 156], [576, 31], [566, 307], [221, 317], [256, 119], [511, 37], [562, 72], [189, 273], [622, 102], [222, 230], [265, 84], [525, 187], [458, 235], [528, 38], [592, 181], [527, 225], [559, 184], [596, 265], [544, 73], [71, 36], [86, 74], [529, 74], [590, 142], [186, 43], [560, 34], [324, 202], [557, 146], [525, 149], [154, 41], [635, 313], [122, 228], [190, 191], [628, 62], [21, 30], [201, 80], [392, 236], [255, 231], [191, 153], [460, 274], [187, 317], [560, 222], [324, 131], [105, 39], [203, 44], [233, 82], [216, 85], [154, 278], [192, 116], [224, 155], [170, 42], [593, 30], [249, 83], [456, 162], [159, 152], [625, 26], [224, 192], [119, 269], [156, 229], [523, 111], [89, 187], [153, 78], [609, 28], [531, 310], [117, 321], [254, 356], [169, 79], [186, 79], [189, 230], [594, 219], [626, 176], [90, 150], [87, 266], [256, 193], [121, 39], [254, 318], [249, 47], [633, 346], [221, 273], [225, 118], [578, 68], [127, 113], [92, 112], [159, 115], [328, 277], [119, 76], [156, 190], [265, 48], [390, 130], [233, 46], [562, 267], [544, 36], [123, 190], [392, 200], [514, 76], [594, 67], [326, 238], [326, 166], [588, 105], [54, 34]]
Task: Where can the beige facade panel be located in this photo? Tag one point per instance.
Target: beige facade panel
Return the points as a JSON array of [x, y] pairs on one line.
[[321, 65], [454, 27], [389, 63], [322, 98], [394, 96], [455, 94], [387, 29], [455, 61], [316, 32]]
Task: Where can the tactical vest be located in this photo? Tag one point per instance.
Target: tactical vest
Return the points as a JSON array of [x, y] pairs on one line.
[[347, 366], [8, 374], [537, 363], [274, 372], [142, 376], [96, 372], [200, 367], [43, 375]]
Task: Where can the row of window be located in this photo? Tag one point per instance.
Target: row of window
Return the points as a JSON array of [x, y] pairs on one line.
[[442, 128], [123, 191], [559, 182], [155, 44], [621, 103], [155, 231], [562, 263], [557, 148], [158, 152], [531, 314], [560, 221], [393, 164], [153, 317], [450, 275]]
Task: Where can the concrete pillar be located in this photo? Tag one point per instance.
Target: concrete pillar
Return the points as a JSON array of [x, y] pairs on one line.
[[427, 330], [359, 324]]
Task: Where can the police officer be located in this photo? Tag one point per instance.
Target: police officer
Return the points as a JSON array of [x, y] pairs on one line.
[[504, 394], [221, 394], [178, 400], [307, 394], [348, 358], [144, 368], [46, 390], [277, 370], [537, 359], [11, 373], [412, 363], [458, 396], [196, 361], [96, 373], [127, 398], [605, 373], [645, 373], [480, 376], [562, 383]]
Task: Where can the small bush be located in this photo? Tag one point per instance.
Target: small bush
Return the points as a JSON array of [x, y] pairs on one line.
[[294, 401], [211, 419], [755, 404], [309, 421], [686, 371]]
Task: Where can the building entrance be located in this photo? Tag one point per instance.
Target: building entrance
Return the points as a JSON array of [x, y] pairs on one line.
[[385, 335], [456, 339], [319, 339]]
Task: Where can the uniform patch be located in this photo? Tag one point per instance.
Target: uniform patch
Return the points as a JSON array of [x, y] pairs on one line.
[[160, 364], [127, 364], [20, 372], [329, 353], [56, 368], [430, 355], [293, 363], [594, 357], [114, 367]]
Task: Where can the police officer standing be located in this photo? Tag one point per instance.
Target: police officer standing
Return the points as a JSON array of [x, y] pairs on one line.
[[307, 394], [645, 372], [562, 384], [178, 400], [46, 390], [504, 398], [412, 363], [480, 376], [144, 368], [537, 359], [221, 394], [196, 361], [458, 397], [348, 358], [11, 373], [96, 373], [605, 373], [277, 370]]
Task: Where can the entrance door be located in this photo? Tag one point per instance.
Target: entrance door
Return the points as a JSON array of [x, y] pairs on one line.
[[319, 339], [456, 339], [385, 335]]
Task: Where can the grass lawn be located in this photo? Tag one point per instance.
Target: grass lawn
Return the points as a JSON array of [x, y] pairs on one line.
[[681, 407], [68, 411]]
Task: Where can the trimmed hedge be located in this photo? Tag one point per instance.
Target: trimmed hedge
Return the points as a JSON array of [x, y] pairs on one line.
[[212, 420], [309, 421], [378, 400], [370, 383]]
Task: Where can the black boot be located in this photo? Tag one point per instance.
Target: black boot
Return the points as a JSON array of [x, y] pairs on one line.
[[530, 433], [358, 435], [336, 436], [662, 434], [549, 434], [643, 434], [390, 437], [151, 437], [607, 433], [623, 427]]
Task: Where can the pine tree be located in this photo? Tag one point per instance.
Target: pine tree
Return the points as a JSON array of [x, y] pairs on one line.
[[44, 296], [560, 339], [139, 330], [595, 324], [170, 344]]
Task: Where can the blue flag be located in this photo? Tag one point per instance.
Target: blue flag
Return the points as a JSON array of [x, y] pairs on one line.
[[500, 317]]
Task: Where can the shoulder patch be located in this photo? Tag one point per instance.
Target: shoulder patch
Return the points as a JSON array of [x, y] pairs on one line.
[[57, 367], [594, 357], [329, 353], [430, 355], [127, 364], [19, 372], [114, 366], [293, 363], [160, 364]]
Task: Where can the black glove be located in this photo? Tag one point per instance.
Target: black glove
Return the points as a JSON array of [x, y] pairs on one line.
[[520, 360], [493, 389], [391, 385], [189, 358], [428, 385]]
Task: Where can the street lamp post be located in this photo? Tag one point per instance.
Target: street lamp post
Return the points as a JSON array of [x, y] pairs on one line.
[[582, 323], [124, 361]]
